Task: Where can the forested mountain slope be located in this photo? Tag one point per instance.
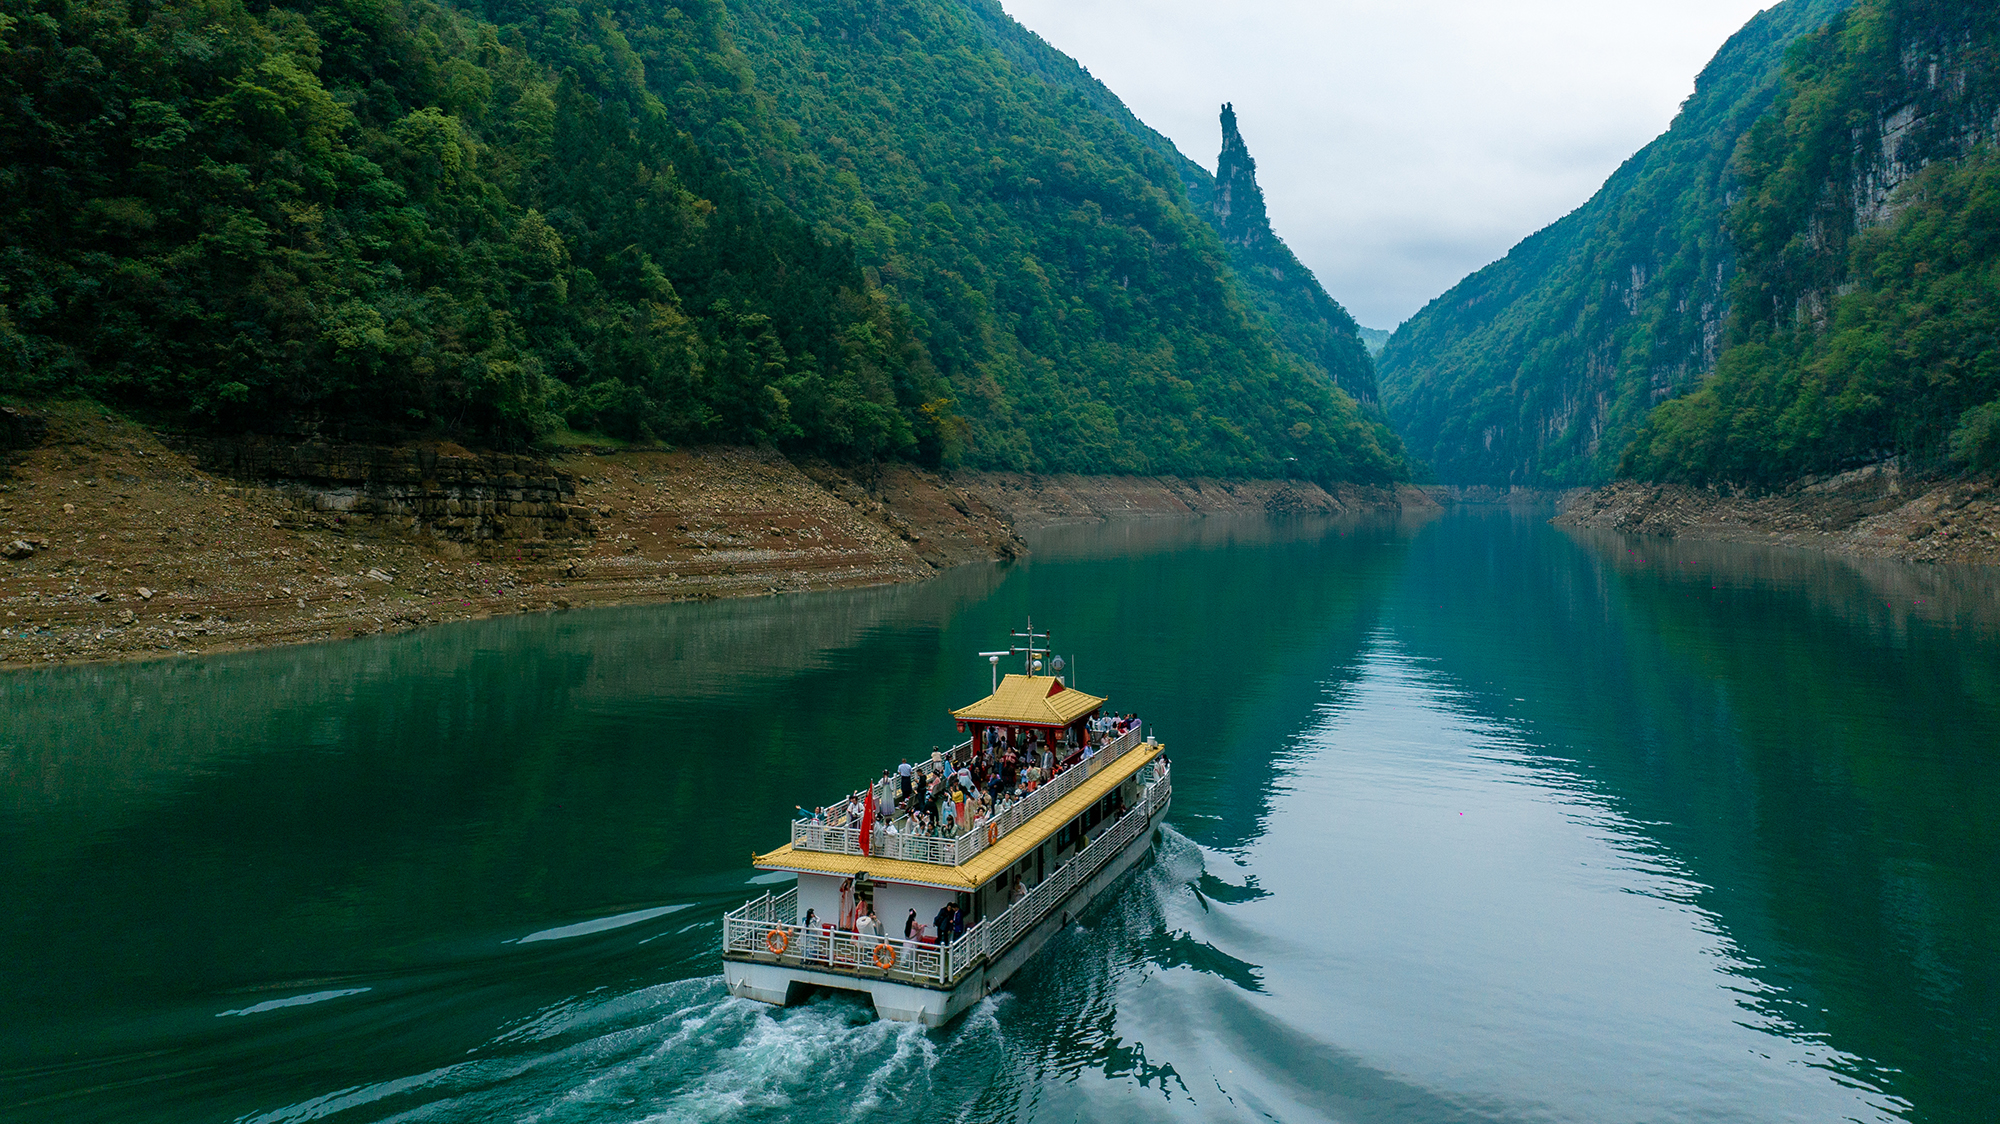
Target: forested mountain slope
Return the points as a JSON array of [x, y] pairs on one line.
[[1309, 322], [1865, 311], [1538, 369], [902, 229], [1045, 240]]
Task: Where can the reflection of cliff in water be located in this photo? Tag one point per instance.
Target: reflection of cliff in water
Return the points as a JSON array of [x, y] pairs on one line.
[[1226, 635], [1136, 538], [1806, 736], [86, 736], [1883, 597]]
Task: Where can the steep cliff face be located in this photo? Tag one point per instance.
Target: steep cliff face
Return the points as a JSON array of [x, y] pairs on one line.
[[1864, 320], [1538, 369], [1870, 101]]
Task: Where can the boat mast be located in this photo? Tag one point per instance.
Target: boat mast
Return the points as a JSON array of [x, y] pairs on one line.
[[1028, 649]]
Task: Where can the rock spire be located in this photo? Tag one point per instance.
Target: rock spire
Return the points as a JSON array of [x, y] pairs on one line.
[[1239, 202], [1309, 323]]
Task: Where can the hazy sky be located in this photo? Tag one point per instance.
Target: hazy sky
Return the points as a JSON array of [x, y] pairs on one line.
[[1402, 144]]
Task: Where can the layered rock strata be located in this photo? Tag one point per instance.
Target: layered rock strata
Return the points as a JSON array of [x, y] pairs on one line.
[[431, 489]]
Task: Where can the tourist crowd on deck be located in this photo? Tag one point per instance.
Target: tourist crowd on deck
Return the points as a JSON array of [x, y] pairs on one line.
[[945, 799]]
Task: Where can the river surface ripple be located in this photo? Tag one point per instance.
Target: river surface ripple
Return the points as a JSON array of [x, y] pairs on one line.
[[1474, 820]]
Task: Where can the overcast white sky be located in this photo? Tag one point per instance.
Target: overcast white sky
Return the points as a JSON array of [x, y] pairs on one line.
[[1402, 144]]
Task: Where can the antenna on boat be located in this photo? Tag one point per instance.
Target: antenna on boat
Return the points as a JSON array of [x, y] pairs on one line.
[[1031, 654]]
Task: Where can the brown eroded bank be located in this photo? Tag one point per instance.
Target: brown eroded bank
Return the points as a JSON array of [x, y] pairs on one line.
[[119, 543], [1874, 511]]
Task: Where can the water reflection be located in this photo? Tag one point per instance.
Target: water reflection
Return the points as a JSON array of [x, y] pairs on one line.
[[1882, 596], [1474, 820], [1796, 731]]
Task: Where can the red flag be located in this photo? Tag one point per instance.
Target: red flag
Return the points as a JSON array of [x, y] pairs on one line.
[[867, 818]]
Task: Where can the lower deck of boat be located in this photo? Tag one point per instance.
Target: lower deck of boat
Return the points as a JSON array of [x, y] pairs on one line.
[[769, 957]]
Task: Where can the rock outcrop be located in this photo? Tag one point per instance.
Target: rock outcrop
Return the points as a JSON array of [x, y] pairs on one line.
[[1309, 322], [437, 490]]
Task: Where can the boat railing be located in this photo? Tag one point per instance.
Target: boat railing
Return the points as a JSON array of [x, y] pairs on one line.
[[947, 850], [993, 935], [766, 929], [1029, 806]]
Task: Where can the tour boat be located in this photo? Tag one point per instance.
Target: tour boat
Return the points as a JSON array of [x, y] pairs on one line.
[[1056, 840]]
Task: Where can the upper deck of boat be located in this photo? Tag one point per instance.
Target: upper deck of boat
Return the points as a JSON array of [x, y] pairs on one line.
[[1024, 713], [1094, 779]]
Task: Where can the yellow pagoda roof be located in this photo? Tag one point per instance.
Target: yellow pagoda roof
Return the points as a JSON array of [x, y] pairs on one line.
[[1030, 700]]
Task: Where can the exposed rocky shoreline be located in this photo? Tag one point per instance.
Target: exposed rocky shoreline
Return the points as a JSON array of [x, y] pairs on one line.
[[123, 543], [1874, 511]]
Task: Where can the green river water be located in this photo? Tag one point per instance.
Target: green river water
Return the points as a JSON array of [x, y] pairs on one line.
[[1474, 820]]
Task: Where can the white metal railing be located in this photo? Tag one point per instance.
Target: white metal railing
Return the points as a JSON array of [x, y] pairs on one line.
[[996, 933], [837, 836], [767, 929], [748, 931], [946, 850]]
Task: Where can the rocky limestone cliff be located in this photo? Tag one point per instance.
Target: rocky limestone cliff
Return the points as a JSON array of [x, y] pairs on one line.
[[1932, 94], [1866, 242], [1239, 202]]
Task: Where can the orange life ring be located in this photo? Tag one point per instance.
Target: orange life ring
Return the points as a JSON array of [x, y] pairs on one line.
[[777, 940], [885, 956], [992, 832]]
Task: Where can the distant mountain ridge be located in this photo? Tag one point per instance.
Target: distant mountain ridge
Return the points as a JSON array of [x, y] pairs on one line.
[[1311, 323], [1540, 368]]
